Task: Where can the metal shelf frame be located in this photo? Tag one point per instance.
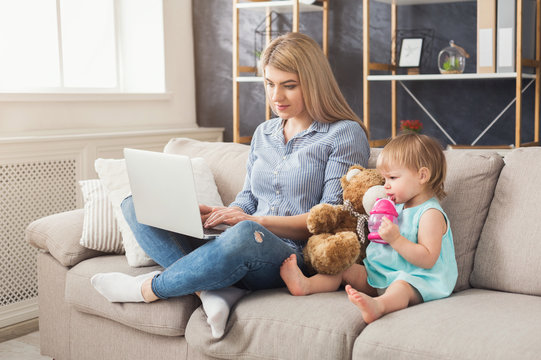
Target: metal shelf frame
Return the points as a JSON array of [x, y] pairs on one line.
[[393, 78]]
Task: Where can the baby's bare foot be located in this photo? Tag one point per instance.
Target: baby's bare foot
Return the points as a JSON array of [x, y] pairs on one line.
[[293, 276], [371, 309]]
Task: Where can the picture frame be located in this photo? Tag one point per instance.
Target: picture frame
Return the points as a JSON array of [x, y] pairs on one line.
[[411, 51]]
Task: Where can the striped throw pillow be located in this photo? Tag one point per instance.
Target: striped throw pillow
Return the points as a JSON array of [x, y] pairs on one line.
[[100, 228]]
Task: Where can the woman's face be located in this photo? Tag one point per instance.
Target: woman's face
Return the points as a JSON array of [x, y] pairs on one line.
[[285, 93]]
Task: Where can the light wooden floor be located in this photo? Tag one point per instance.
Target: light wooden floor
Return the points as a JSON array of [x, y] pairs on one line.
[[22, 348]]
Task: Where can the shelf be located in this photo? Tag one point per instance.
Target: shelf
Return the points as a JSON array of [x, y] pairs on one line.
[[249, 79], [279, 6], [468, 76], [419, 2], [403, 80]]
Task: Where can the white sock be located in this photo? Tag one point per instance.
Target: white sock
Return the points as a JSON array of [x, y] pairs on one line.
[[119, 287], [217, 304]]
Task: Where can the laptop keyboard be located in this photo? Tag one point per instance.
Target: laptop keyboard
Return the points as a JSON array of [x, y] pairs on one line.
[[212, 231]]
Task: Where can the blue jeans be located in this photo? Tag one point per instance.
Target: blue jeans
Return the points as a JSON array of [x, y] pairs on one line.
[[246, 254]]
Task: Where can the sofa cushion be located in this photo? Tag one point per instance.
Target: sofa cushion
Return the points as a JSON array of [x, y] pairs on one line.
[[114, 178], [470, 183], [163, 317], [373, 159], [226, 160], [59, 234], [100, 228], [268, 325], [472, 324], [509, 250]]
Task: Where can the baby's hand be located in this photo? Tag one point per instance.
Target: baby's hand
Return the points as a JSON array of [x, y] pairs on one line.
[[388, 230]]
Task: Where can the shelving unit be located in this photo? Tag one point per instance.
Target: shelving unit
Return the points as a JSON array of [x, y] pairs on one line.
[[467, 76], [295, 7], [393, 78]]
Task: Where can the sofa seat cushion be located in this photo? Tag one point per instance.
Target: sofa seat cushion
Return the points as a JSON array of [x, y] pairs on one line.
[[163, 317], [472, 324], [272, 324]]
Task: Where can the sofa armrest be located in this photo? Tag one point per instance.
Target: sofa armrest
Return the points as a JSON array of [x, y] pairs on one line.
[[59, 234]]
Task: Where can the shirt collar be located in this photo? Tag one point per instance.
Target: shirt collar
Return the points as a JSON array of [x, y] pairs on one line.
[[278, 126], [319, 127]]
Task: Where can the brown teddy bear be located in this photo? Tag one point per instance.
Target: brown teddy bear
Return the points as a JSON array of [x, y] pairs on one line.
[[335, 244]]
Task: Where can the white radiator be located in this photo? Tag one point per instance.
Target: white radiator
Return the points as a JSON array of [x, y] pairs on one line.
[[28, 191]]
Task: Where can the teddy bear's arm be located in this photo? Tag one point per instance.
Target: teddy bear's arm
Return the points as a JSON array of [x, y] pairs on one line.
[[323, 218]]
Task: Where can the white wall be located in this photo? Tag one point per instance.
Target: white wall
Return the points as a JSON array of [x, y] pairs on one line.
[[23, 115]]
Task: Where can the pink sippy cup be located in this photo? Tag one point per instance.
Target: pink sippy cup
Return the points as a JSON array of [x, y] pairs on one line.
[[381, 208]]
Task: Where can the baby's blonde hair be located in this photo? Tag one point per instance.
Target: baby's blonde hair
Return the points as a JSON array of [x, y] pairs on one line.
[[415, 151]]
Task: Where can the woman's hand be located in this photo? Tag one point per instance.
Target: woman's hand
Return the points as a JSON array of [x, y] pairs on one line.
[[291, 227], [388, 230], [206, 211], [212, 216]]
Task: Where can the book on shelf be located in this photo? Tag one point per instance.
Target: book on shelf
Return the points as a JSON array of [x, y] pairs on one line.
[[486, 36], [506, 34]]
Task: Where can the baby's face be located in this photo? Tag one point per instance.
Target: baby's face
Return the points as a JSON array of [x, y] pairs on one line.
[[401, 184]]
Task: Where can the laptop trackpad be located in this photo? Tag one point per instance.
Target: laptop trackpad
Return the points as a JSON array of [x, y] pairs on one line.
[[222, 227], [215, 231]]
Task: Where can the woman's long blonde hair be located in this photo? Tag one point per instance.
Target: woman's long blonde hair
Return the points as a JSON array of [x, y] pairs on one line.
[[300, 54]]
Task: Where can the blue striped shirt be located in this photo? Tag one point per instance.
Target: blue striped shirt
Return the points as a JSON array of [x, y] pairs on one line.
[[289, 179]]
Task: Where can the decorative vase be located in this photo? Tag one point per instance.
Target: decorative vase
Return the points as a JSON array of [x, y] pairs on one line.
[[452, 59]]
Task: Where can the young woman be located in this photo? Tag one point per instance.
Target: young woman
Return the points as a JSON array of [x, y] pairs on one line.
[[418, 264], [295, 162]]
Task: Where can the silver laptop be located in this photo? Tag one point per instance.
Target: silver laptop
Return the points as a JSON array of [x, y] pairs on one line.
[[164, 195]]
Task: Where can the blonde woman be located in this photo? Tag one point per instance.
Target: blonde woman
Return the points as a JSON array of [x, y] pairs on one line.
[[295, 162]]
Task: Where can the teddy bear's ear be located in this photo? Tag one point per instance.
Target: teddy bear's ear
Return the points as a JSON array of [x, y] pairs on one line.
[[356, 166], [352, 171]]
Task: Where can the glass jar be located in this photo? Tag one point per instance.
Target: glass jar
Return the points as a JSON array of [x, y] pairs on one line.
[[452, 59]]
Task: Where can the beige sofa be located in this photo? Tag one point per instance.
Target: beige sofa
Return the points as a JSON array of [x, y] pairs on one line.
[[495, 311]]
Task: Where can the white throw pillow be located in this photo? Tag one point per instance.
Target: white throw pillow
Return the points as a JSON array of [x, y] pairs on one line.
[[114, 178], [100, 228], [205, 187]]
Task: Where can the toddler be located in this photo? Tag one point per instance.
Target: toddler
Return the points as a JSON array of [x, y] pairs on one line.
[[418, 264]]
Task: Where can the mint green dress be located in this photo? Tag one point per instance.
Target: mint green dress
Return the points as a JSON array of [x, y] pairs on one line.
[[384, 265]]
